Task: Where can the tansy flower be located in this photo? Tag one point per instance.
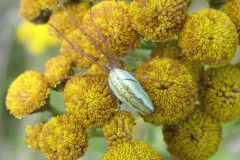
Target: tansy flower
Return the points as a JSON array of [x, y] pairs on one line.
[[209, 37], [35, 37], [232, 9], [63, 137], [57, 68], [158, 20], [32, 137], [220, 94], [29, 10], [170, 49], [112, 22], [60, 19], [27, 94], [132, 151], [171, 88], [77, 58], [47, 3], [119, 129], [90, 98], [195, 138]]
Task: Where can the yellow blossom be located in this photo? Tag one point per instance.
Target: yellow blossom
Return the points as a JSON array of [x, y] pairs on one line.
[[47, 3], [119, 129], [35, 37], [27, 94], [113, 22], [158, 20], [29, 10], [134, 151], [77, 58], [60, 19], [90, 98], [232, 9], [57, 68], [195, 138], [209, 37], [63, 137], [171, 88], [220, 93], [32, 137]]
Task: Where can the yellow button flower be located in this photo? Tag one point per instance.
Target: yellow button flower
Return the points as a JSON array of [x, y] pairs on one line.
[[119, 129], [195, 138], [209, 37], [63, 137], [90, 98], [27, 94], [158, 20], [171, 88], [220, 93], [134, 151]]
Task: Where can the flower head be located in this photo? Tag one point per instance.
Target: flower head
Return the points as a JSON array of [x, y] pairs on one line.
[[63, 137], [232, 9], [60, 19], [132, 151], [35, 37], [90, 98], [112, 21], [115, 130], [29, 9], [158, 20], [27, 93], [197, 137], [47, 3], [171, 88], [56, 68], [209, 37], [32, 137], [220, 94]]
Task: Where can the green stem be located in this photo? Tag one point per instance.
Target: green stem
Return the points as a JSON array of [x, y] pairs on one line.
[[216, 5], [147, 46], [54, 111], [95, 132]]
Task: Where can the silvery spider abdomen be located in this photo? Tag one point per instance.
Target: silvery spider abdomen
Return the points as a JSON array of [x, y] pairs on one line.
[[129, 91]]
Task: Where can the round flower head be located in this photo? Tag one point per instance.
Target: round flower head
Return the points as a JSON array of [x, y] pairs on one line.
[[111, 20], [27, 94], [158, 20], [32, 137], [115, 130], [126, 151], [171, 88], [56, 68], [35, 37], [209, 37], [197, 137], [29, 9], [47, 3], [90, 98], [232, 9], [221, 92], [63, 137], [80, 61], [60, 19], [170, 49]]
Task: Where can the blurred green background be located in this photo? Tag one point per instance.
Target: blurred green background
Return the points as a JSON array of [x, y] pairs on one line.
[[15, 59]]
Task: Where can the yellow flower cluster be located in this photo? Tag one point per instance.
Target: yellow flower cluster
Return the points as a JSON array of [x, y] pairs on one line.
[[197, 137], [188, 65], [202, 38], [114, 131]]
